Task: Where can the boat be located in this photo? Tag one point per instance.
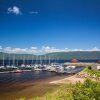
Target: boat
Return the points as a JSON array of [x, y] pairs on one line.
[[38, 69], [18, 71]]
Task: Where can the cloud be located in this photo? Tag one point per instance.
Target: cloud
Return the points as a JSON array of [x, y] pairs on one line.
[[31, 50], [95, 49], [14, 10], [48, 49], [0, 47], [7, 49], [34, 48], [43, 50]]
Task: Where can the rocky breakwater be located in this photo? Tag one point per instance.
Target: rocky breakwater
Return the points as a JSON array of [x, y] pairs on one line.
[[85, 75]]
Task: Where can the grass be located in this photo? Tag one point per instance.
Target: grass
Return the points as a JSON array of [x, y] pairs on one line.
[[92, 71], [89, 90]]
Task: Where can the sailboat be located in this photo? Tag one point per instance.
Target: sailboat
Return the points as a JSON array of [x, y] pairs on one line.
[[38, 67], [3, 62], [48, 66], [8, 66], [16, 69], [32, 60], [23, 64]]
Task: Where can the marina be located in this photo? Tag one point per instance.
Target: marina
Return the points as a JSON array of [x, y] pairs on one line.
[[39, 65], [42, 64]]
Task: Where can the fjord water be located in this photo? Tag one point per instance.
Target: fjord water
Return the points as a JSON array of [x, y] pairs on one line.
[[13, 85], [27, 84], [24, 76]]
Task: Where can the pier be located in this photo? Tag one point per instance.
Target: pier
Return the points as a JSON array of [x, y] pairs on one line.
[[82, 64]]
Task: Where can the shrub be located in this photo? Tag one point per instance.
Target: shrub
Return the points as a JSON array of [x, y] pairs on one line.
[[89, 90]]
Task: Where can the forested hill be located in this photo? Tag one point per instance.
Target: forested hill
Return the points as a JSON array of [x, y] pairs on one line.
[[57, 55], [77, 55]]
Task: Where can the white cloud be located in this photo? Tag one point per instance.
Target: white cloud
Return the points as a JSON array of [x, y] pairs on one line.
[[31, 50], [77, 49], [48, 49], [95, 49], [0, 47], [7, 49], [34, 48], [44, 49], [14, 10]]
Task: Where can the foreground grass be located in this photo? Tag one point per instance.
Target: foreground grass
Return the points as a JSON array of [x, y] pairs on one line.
[[92, 71], [89, 90]]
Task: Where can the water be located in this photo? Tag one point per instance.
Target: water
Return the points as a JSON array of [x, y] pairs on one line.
[[15, 85], [5, 78], [27, 84], [24, 76]]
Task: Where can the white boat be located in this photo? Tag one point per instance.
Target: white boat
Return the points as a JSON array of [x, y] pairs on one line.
[[70, 67], [22, 65], [1, 66], [54, 66], [38, 69], [60, 69]]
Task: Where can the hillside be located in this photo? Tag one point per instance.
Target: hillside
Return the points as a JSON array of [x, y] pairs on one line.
[[77, 55], [57, 55]]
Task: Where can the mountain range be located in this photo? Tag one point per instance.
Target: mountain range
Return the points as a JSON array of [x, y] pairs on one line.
[[80, 55]]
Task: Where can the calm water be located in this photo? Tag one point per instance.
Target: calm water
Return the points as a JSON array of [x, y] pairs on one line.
[[25, 76], [14, 78], [16, 85]]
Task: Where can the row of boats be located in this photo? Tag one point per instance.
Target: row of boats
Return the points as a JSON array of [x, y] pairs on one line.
[[53, 67]]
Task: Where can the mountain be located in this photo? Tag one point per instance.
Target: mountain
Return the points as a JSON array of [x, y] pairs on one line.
[[77, 55], [81, 55]]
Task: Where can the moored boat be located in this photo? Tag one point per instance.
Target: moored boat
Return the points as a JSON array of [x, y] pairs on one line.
[[18, 71]]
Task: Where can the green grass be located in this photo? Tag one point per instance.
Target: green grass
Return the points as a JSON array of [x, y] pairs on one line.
[[89, 90], [92, 71]]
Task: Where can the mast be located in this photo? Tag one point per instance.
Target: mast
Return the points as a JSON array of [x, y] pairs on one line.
[[13, 59], [49, 60], [40, 60], [36, 62], [56, 60], [9, 59], [45, 58], [27, 59], [23, 59], [32, 59], [17, 61], [3, 63]]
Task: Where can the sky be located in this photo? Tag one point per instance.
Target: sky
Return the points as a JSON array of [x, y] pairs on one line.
[[57, 25]]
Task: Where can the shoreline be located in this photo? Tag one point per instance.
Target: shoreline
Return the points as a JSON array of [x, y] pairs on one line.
[[71, 79], [39, 87], [29, 89]]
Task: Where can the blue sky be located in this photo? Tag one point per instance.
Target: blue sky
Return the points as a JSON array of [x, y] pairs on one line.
[[55, 23]]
